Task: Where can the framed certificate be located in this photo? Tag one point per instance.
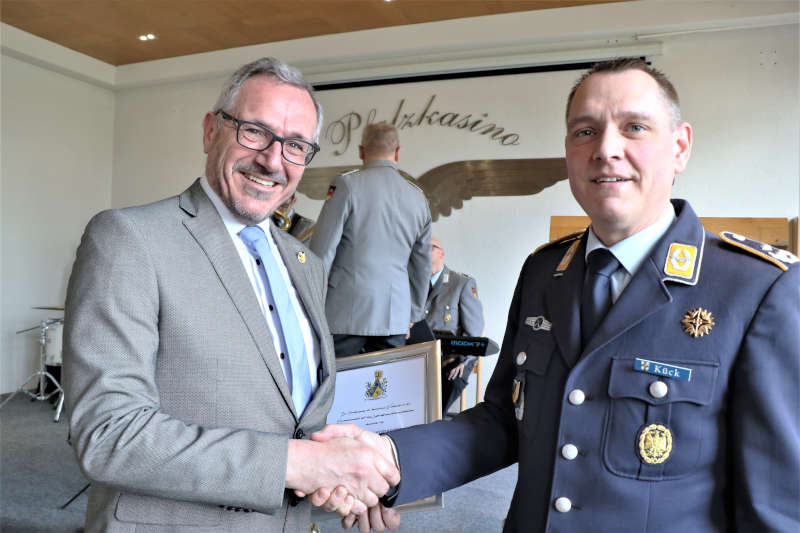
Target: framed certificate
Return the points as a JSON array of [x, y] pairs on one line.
[[386, 390]]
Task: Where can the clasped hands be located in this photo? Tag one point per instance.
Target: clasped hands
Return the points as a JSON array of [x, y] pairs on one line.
[[346, 469]]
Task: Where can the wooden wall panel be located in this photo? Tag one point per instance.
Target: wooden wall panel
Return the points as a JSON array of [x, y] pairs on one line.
[[778, 232]]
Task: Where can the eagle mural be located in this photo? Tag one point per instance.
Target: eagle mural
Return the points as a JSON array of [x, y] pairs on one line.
[[447, 186]]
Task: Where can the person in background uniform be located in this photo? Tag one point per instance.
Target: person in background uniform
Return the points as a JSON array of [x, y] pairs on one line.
[[197, 356], [676, 409], [374, 237], [453, 306], [287, 219]]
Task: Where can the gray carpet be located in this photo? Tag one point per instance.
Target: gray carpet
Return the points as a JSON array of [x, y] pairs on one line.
[[38, 474]]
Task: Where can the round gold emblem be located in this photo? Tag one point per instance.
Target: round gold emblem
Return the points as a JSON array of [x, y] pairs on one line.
[[655, 444], [447, 318]]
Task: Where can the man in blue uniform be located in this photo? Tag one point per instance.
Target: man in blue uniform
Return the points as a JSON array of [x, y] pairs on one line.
[[679, 410]]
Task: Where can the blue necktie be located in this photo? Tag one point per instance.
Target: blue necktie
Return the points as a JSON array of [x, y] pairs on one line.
[[596, 297], [299, 378]]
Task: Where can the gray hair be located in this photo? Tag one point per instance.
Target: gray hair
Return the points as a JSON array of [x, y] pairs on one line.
[[274, 69], [379, 138]]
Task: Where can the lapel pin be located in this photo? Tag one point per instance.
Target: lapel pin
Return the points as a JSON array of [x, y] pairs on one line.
[[301, 257], [698, 322]]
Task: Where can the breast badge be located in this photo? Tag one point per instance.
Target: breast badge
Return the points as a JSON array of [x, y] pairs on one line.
[[447, 318], [538, 323], [655, 444], [698, 322], [301, 256]]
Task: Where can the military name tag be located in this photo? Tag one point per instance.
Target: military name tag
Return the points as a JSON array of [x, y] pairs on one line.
[[662, 369]]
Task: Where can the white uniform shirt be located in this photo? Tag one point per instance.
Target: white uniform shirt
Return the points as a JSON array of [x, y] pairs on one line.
[[632, 251]]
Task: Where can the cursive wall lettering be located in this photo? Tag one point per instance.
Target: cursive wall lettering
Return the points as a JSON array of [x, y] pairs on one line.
[[340, 132]]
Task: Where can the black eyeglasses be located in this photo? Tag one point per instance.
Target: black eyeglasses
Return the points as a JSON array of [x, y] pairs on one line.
[[257, 137]]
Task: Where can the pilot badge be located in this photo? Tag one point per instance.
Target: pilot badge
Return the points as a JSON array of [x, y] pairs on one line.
[[698, 322], [655, 444], [301, 256], [447, 318], [538, 323], [681, 260]]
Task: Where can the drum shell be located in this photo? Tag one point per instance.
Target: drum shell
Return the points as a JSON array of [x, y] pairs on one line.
[[53, 336]]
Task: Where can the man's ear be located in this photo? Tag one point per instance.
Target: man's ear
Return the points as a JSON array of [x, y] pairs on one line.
[[209, 131], [682, 137], [397, 155], [360, 152]]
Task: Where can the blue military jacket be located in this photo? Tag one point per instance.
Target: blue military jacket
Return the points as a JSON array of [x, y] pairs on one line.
[[681, 413]]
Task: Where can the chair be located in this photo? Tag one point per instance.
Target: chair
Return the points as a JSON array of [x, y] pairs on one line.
[[477, 369]]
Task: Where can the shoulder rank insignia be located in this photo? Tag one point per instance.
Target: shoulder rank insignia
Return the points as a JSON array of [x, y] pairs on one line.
[[349, 172], [574, 239], [778, 257], [561, 240]]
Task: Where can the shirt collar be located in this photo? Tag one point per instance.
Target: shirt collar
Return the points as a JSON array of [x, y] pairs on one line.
[[232, 224], [436, 276], [633, 250]]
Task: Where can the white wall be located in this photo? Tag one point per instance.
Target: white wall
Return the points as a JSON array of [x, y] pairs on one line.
[[57, 142], [738, 83]]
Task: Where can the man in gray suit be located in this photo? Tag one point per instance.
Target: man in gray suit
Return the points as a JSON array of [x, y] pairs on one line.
[[197, 356], [373, 235], [453, 306]]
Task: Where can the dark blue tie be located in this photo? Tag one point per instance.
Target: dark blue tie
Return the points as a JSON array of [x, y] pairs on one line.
[[299, 378], [596, 297]]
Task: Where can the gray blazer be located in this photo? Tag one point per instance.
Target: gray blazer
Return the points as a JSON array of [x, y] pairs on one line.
[[180, 413], [453, 304], [374, 237]]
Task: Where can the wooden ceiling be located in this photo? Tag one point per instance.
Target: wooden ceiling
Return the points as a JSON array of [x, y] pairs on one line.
[[108, 30]]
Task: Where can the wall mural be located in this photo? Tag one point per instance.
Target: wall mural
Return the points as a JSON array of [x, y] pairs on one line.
[[447, 186]]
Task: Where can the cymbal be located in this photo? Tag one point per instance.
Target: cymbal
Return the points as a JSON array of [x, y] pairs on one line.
[[51, 307]]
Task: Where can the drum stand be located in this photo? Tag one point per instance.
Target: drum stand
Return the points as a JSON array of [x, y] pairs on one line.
[[42, 374]]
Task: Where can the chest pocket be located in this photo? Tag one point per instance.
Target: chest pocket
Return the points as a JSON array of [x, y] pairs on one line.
[[534, 350], [639, 400]]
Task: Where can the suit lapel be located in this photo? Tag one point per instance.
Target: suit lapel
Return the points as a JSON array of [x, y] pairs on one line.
[[209, 231], [563, 301]]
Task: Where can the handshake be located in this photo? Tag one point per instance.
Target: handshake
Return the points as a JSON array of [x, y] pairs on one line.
[[346, 469]]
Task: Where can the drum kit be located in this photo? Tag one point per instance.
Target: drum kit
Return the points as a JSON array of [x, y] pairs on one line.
[[50, 343]]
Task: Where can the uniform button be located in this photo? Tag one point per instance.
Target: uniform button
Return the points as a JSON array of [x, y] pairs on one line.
[[576, 397], [563, 505], [569, 452], [283, 355], [299, 434], [658, 389], [271, 308], [521, 358]]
